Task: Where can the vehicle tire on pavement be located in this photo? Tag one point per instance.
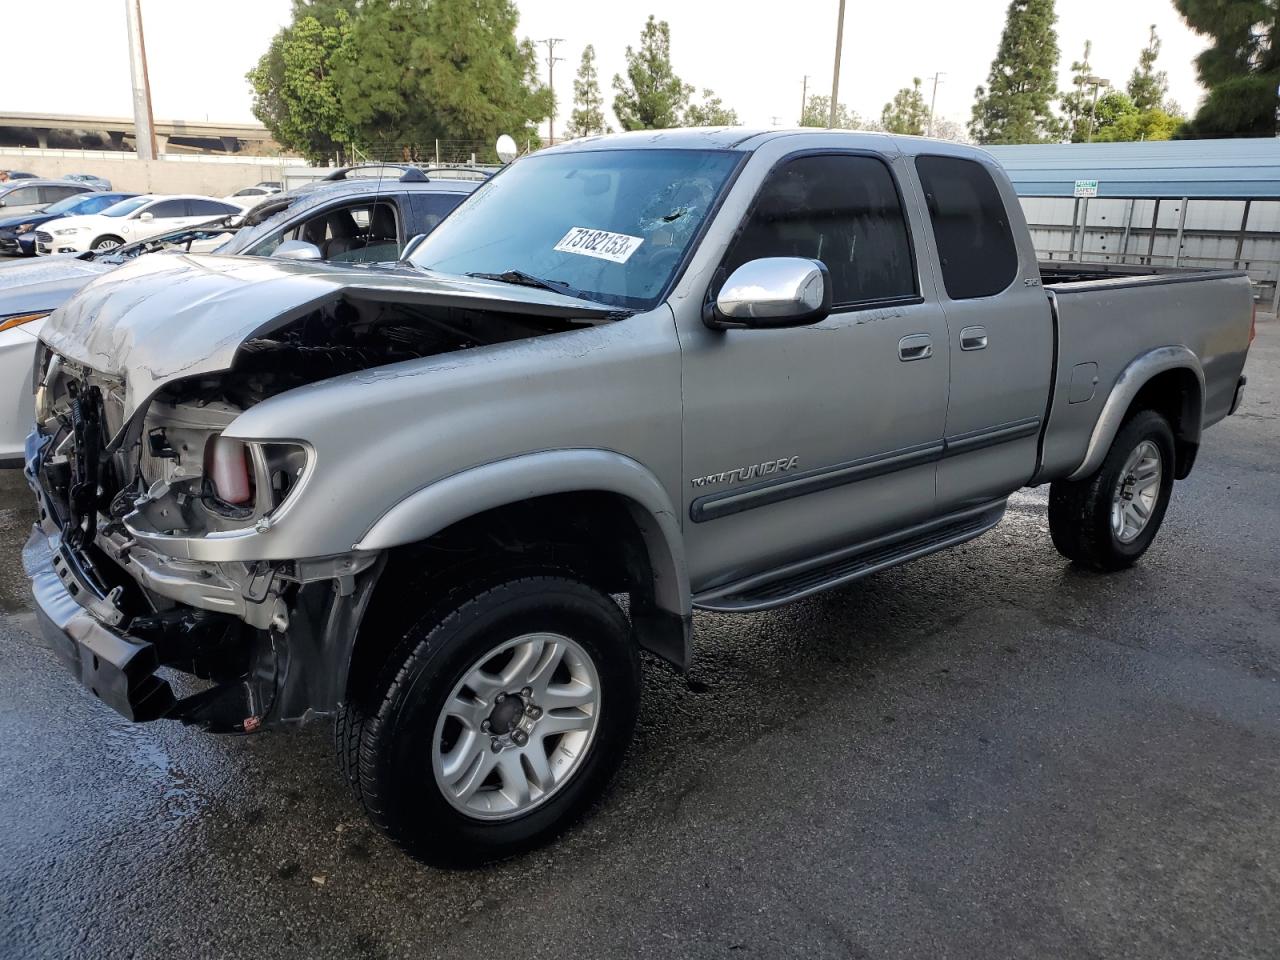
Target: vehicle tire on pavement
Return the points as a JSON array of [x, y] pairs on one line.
[[1106, 521], [105, 243], [498, 719]]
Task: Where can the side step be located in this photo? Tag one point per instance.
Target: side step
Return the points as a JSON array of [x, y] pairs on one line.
[[805, 577]]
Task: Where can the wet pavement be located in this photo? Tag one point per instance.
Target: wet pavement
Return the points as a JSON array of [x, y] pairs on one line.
[[984, 754]]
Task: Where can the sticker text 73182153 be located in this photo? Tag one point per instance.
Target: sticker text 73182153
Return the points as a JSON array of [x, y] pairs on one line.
[[616, 247]]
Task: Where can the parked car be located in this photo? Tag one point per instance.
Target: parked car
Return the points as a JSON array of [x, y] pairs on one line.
[[92, 179], [17, 233], [712, 370], [29, 195], [6, 175], [135, 219], [314, 225]]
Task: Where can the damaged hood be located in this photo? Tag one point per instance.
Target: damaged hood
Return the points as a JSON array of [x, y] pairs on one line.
[[45, 283], [160, 319]]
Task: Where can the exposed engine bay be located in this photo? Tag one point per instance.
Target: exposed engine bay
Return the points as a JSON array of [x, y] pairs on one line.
[[134, 497]]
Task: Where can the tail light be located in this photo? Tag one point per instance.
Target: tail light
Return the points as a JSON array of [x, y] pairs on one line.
[[226, 467], [1253, 325]]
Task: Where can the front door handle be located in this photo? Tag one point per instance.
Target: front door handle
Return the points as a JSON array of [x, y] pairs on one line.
[[973, 338], [918, 346]]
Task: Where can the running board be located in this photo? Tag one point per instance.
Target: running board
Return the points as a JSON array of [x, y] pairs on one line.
[[806, 577]]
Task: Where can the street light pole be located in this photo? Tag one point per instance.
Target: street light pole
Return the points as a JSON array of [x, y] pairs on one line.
[[1097, 83], [144, 124], [804, 97], [835, 78], [933, 101], [551, 84]]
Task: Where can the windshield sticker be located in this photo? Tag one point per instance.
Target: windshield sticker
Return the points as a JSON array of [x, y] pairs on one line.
[[615, 247]]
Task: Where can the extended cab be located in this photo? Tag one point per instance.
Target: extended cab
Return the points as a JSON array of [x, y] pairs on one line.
[[711, 369]]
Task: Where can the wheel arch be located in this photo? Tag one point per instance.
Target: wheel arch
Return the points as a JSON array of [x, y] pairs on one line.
[[1169, 380], [628, 514]]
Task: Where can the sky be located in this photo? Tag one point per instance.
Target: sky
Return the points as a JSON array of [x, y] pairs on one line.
[[754, 55]]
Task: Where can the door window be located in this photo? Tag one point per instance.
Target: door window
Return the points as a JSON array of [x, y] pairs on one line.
[[210, 208], [355, 233], [434, 207], [168, 209], [22, 197], [843, 210], [970, 227], [54, 194]]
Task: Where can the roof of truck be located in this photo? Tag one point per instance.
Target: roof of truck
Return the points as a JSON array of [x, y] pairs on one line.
[[747, 138]]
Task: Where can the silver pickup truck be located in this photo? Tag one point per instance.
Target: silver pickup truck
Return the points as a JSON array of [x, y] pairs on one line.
[[706, 369]]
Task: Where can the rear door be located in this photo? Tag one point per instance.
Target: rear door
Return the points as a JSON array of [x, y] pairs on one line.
[[166, 215], [999, 329]]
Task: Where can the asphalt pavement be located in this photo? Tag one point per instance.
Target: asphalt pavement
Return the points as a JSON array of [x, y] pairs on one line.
[[985, 753]]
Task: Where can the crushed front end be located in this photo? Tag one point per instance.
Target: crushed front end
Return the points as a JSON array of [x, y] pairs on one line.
[[141, 562]]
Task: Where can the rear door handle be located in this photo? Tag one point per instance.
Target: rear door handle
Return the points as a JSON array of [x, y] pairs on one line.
[[973, 338], [918, 346]]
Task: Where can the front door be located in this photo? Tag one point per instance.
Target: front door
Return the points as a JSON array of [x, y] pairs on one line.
[[813, 438]]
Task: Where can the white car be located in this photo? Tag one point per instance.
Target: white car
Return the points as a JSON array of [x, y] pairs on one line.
[[136, 219]]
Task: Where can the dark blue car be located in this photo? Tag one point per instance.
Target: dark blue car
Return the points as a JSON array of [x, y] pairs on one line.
[[18, 234]]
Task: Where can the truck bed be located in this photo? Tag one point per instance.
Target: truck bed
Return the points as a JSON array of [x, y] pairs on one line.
[[1110, 318]]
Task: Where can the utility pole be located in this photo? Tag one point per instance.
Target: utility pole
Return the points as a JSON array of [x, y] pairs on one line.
[[933, 101], [835, 78], [1097, 83], [144, 123], [804, 97], [552, 59]]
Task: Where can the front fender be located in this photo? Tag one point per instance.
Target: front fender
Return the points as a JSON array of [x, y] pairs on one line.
[[445, 502], [1131, 380]]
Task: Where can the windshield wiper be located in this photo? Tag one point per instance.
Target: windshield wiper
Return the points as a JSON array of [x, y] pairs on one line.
[[522, 279]]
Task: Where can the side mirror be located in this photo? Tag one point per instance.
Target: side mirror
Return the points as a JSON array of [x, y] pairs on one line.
[[297, 250], [147, 216], [412, 245], [771, 293]]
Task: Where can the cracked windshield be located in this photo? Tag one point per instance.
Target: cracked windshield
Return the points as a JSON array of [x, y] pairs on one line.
[[609, 225]]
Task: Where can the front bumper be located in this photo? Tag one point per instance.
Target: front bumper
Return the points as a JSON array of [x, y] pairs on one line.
[[119, 670]]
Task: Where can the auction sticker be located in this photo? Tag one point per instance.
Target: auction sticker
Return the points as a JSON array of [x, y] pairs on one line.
[[616, 247]]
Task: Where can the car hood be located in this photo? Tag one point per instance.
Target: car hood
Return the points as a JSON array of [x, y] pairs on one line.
[[167, 317], [46, 283], [85, 220], [8, 223]]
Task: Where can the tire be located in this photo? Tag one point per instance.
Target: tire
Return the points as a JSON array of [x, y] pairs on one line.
[[108, 242], [402, 749], [1082, 514]]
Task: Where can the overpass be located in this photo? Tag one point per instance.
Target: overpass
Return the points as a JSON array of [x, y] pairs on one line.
[[229, 136]]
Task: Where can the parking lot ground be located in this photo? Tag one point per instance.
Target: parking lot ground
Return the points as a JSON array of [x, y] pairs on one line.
[[985, 753]]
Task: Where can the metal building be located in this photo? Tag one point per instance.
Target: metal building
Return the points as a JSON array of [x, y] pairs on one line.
[[1177, 203]]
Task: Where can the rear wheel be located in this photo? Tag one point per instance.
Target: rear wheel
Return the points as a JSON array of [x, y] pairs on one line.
[[103, 244], [497, 722], [1108, 520]]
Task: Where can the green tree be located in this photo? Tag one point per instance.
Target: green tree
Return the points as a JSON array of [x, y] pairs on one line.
[[1013, 107], [651, 96], [1148, 86], [295, 93], [1076, 104], [906, 113], [421, 69], [817, 113], [587, 118], [1241, 68], [710, 113]]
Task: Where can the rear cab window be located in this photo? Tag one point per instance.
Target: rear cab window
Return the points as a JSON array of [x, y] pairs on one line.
[[970, 227], [842, 209]]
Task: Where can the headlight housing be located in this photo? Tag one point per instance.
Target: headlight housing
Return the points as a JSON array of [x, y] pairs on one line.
[[66, 230], [18, 319], [251, 478], [25, 228]]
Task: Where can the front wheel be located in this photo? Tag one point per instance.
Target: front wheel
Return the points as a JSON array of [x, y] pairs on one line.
[[1108, 520], [499, 720], [103, 244]]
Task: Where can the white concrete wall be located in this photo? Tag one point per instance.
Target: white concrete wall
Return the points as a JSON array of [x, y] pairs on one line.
[[180, 173]]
